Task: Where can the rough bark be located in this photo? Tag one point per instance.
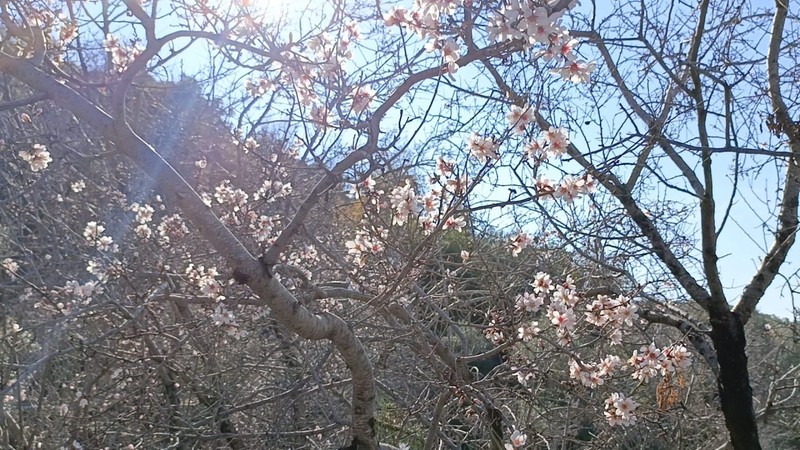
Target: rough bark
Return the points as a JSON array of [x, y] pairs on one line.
[[736, 396]]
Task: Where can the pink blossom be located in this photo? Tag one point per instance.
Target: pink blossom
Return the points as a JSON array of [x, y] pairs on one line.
[[10, 265], [529, 302], [621, 410], [395, 16], [557, 141], [518, 439], [535, 150], [676, 358], [482, 148], [404, 202], [576, 71], [457, 186], [562, 317], [519, 117], [569, 189], [454, 223], [538, 26], [526, 333], [542, 283], [432, 200], [500, 29], [38, 157], [519, 242], [544, 187]]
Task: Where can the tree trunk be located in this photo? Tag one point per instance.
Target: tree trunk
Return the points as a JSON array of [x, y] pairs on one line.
[[736, 395]]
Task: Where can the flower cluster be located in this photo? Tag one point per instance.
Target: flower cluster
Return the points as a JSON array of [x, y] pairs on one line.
[[38, 157], [519, 242], [533, 25], [455, 223], [527, 332], [494, 332], [205, 280], [431, 210], [57, 29], [227, 195], [483, 147], [144, 215], [621, 410], [100, 271], [272, 190], [67, 33], [171, 228], [575, 70], [263, 226], [364, 244], [593, 375], [365, 188], [434, 205], [676, 358], [518, 440], [444, 167], [303, 84], [77, 186], [322, 116], [614, 312], [10, 265], [332, 54], [225, 318], [451, 51], [552, 143], [83, 291], [121, 57], [93, 233], [519, 117], [649, 361], [423, 21], [404, 202], [569, 189], [543, 284], [417, 21], [528, 302], [249, 144], [560, 301], [557, 141]]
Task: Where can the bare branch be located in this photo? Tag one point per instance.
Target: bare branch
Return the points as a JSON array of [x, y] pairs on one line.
[[786, 232]]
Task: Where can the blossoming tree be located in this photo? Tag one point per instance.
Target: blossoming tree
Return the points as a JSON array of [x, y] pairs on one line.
[[429, 239]]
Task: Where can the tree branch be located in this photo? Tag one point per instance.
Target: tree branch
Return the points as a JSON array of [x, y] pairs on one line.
[[787, 218]]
